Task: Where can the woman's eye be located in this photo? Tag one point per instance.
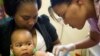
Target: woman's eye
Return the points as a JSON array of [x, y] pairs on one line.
[[26, 17], [35, 17], [29, 17]]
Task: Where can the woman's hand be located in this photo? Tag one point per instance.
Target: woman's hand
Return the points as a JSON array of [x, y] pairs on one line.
[[58, 49]]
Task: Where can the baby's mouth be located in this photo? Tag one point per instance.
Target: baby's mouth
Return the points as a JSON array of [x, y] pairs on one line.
[[26, 54]]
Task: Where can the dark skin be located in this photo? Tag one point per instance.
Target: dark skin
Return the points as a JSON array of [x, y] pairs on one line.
[[26, 17], [75, 14]]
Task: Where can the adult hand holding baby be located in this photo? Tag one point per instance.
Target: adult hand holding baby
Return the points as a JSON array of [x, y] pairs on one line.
[[58, 49]]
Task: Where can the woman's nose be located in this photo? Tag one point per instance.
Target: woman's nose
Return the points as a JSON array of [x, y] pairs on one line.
[[31, 22]]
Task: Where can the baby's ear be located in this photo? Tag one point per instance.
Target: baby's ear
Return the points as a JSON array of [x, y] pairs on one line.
[[11, 51], [10, 46]]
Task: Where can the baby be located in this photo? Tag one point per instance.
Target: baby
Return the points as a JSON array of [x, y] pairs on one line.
[[22, 44]]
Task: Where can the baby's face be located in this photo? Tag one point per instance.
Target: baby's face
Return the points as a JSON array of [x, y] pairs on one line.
[[22, 44]]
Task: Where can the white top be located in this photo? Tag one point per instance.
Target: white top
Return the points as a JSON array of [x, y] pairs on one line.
[[40, 42]]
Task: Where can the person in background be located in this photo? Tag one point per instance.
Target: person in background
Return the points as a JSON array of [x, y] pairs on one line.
[[24, 14], [75, 13], [1, 11], [3, 15]]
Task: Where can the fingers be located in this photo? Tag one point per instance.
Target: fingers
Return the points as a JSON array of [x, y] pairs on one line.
[[50, 54], [60, 53], [56, 50]]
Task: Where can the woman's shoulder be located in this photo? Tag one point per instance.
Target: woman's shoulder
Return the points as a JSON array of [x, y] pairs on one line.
[[5, 20], [5, 23], [43, 19]]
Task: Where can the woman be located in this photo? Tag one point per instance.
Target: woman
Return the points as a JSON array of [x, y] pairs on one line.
[[75, 13], [1, 10], [3, 15], [25, 15]]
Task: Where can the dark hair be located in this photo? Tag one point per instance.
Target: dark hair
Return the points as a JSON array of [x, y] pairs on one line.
[[12, 5], [55, 2]]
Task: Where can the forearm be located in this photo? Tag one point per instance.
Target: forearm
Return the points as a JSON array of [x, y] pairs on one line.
[[90, 41], [56, 42], [85, 44], [93, 39]]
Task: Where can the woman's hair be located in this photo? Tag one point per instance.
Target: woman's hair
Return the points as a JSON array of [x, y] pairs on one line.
[[11, 6], [55, 2]]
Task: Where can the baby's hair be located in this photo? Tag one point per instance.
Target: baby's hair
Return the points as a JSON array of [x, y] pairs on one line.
[[18, 31]]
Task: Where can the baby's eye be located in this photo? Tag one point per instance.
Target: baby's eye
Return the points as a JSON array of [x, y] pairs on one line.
[[29, 43], [18, 45]]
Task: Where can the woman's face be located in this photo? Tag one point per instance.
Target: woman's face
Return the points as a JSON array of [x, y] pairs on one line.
[[26, 15], [72, 14]]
